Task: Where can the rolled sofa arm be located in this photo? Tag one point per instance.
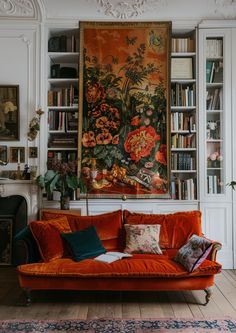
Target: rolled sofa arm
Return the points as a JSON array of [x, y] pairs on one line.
[[215, 248], [25, 249]]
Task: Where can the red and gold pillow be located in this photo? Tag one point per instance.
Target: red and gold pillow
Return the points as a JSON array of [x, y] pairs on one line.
[[47, 235]]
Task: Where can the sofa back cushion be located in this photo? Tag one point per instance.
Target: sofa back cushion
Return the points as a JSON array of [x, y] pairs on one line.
[[176, 228], [47, 235], [108, 227]]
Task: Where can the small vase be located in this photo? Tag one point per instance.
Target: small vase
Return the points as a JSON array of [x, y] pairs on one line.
[[65, 202]]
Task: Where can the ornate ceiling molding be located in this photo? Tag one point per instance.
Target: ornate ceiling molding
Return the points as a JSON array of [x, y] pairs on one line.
[[17, 8], [128, 9], [226, 8]]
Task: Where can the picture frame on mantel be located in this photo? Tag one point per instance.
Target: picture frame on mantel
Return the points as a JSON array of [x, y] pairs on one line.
[[9, 113], [124, 98]]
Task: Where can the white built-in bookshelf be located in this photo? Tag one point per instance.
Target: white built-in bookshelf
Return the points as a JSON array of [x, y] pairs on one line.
[[62, 94], [183, 119]]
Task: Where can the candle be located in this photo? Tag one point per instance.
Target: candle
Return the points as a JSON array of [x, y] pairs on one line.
[[18, 156]]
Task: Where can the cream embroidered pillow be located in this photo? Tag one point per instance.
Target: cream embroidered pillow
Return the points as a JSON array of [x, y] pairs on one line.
[[142, 238]]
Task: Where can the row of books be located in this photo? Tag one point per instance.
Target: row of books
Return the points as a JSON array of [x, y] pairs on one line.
[[64, 156], [183, 95], [183, 141], [214, 48], [213, 184], [183, 161], [214, 99], [63, 97], [214, 71], [182, 44], [183, 189], [62, 121], [182, 122], [68, 141]]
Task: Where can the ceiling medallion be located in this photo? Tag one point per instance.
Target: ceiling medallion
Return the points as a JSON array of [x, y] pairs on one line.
[[127, 9], [16, 8]]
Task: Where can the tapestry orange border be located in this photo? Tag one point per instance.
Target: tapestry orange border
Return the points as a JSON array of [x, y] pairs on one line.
[[124, 109]]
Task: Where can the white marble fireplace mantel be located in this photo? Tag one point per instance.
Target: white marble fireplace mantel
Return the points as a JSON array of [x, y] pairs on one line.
[[27, 188]]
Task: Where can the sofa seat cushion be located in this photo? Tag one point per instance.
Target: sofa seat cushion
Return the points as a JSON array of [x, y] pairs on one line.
[[134, 267]]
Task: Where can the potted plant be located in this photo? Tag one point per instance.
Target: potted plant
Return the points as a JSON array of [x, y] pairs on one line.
[[60, 176]]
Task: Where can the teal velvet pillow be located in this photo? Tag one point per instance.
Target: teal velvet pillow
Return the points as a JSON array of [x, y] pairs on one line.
[[84, 244]]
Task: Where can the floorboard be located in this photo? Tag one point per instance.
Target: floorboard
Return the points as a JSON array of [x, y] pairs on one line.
[[91, 305]]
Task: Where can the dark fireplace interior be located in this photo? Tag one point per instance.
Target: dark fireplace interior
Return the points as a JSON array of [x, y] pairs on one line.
[[13, 218]]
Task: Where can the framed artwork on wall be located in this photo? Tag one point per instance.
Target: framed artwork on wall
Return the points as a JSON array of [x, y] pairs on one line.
[[9, 113], [17, 154], [124, 99]]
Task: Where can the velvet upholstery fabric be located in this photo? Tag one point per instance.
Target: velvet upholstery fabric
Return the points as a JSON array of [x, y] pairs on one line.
[[108, 227], [134, 267], [47, 235], [84, 244], [176, 228], [25, 237]]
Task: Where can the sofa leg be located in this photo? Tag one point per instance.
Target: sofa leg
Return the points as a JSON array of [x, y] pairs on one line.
[[208, 292], [25, 299]]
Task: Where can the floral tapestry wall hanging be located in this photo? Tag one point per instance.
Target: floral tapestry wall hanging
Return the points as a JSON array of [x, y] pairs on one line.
[[124, 108]]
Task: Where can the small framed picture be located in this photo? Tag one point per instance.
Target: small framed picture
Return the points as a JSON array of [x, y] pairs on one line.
[[9, 113], [3, 154], [17, 154], [33, 152]]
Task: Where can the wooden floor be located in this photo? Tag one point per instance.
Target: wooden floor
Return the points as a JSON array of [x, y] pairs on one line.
[[91, 305]]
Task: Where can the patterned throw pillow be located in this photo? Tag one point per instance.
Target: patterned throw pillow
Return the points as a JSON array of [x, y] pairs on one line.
[[194, 252], [142, 238]]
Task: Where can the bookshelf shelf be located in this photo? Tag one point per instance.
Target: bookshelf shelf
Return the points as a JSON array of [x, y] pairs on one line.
[[183, 171], [183, 54], [64, 57], [183, 149]]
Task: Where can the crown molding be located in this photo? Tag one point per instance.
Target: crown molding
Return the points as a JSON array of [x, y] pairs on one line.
[[128, 9]]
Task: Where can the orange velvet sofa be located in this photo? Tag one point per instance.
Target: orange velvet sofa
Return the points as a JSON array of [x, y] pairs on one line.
[[143, 271]]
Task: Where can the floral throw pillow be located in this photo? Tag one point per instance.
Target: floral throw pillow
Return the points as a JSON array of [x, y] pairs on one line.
[[142, 238], [194, 252]]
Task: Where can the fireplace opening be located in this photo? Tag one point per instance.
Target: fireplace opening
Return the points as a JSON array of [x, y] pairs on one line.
[[13, 218]]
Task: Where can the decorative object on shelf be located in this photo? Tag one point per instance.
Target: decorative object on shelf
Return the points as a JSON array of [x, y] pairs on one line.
[[214, 160], [9, 112], [127, 129], [60, 176], [34, 125]]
